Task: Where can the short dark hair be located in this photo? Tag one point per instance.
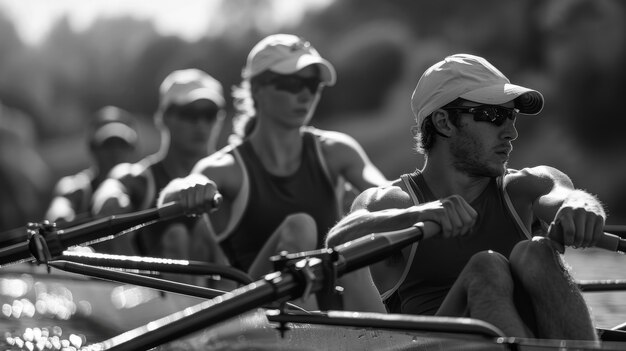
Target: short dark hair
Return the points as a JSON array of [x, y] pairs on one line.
[[426, 134]]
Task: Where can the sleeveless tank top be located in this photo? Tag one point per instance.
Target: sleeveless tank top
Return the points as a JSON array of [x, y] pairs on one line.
[[148, 238], [272, 198], [434, 264]]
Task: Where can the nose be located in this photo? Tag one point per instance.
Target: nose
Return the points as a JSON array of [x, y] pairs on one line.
[[509, 131], [305, 95]]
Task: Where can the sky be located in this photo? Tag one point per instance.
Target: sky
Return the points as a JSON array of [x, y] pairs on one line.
[[33, 18]]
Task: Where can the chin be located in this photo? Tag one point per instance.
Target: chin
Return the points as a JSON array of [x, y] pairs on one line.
[[494, 171]]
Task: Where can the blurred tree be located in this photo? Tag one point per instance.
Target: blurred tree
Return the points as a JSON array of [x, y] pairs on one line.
[[585, 51], [157, 59], [25, 181], [369, 59], [9, 40], [114, 49]]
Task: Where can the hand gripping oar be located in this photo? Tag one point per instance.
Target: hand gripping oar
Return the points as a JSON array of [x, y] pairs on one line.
[[47, 242], [607, 241]]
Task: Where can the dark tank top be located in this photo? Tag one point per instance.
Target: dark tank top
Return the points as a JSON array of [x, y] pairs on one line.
[[272, 198], [149, 238], [438, 262]]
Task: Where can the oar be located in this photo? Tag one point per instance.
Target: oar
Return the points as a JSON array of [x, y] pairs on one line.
[[156, 264], [616, 229], [56, 241], [602, 285]]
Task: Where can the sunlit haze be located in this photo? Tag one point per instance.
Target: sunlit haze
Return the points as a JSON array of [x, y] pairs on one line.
[[189, 19]]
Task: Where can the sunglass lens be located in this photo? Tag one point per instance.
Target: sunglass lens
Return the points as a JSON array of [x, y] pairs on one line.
[[194, 115], [494, 114], [295, 85]]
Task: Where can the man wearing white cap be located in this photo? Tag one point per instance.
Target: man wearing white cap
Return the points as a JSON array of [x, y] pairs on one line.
[[190, 117], [278, 182], [487, 214], [112, 140]]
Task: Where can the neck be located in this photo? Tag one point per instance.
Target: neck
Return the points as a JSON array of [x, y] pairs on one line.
[[444, 180], [179, 163], [279, 150]]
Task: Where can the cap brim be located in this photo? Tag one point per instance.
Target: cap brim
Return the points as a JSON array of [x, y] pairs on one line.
[[115, 130], [199, 94], [296, 63], [528, 101]]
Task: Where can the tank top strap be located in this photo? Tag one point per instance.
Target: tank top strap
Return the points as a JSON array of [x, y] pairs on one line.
[[511, 209], [314, 137], [411, 182], [241, 200]]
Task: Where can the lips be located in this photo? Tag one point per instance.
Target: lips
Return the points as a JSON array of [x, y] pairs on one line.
[[504, 151], [301, 110]]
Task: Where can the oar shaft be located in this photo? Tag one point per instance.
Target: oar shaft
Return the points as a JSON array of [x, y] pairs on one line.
[[616, 229], [602, 285]]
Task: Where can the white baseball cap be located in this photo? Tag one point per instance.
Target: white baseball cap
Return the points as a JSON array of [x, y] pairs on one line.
[[286, 54], [184, 86], [472, 78], [112, 122]]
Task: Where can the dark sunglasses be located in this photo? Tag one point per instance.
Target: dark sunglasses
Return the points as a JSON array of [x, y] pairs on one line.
[[193, 114], [488, 113], [295, 84]]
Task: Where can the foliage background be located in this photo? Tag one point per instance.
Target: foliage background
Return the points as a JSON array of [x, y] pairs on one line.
[[571, 50]]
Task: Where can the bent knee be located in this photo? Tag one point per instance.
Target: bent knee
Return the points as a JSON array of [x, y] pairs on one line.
[[298, 232], [489, 270], [534, 257], [175, 239]]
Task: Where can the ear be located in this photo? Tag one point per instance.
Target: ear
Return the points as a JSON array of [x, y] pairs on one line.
[[442, 123]]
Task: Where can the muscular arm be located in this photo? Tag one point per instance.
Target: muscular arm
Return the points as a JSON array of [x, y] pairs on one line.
[[346, 158], [217, 173], [390, 208], [119, 193], [573, 214], [70, 199], [374, 210]]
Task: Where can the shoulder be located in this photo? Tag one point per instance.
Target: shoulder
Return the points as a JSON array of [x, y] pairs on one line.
[[340, 150], [535, 181], [72, 184], [131, 174], [222, 168], [332, 139], [379, 198], [128, 170], [220, 160]]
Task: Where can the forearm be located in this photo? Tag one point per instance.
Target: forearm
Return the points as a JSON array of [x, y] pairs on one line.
[[172, 191], [60, 209], [580, 199], [111, 198], [363, 222]]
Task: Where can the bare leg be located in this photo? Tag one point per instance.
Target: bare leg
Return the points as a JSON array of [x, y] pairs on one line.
[[360, 293], [298, 232], [484, 290], [560, 309], [204, 247], [174, 245]]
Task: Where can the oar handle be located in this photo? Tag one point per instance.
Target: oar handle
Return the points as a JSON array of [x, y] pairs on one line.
[[174, 209], [607, 241], [612, 242]]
